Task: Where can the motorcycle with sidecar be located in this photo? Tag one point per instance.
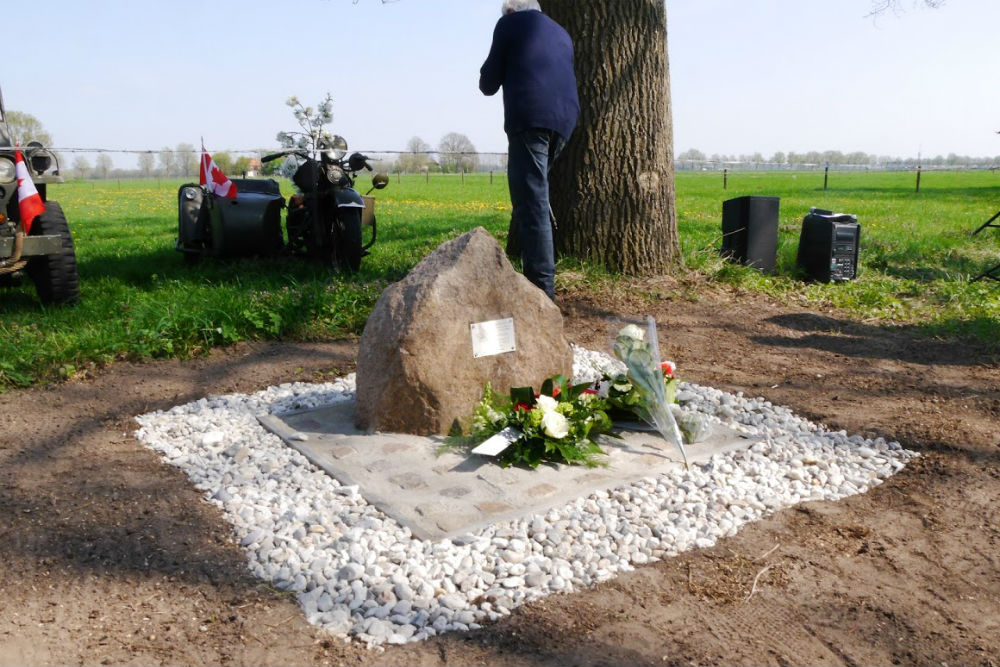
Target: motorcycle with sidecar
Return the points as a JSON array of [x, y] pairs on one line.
[[324, 220]]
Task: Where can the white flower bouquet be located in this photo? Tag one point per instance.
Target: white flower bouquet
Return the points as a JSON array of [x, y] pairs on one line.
[[652, 381]]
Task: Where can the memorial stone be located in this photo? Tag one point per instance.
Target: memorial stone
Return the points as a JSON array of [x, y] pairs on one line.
[[461, 318]]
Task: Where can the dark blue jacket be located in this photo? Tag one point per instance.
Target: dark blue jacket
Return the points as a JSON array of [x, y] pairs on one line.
[[532, 58]]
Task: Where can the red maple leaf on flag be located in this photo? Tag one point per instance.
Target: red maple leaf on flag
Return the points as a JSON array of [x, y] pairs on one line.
[[212, 177]]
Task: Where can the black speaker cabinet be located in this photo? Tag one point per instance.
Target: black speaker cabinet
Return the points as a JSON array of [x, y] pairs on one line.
[[750, 231], [828, 246]]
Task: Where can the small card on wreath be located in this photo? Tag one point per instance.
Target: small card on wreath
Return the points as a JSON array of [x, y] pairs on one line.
[[492, 337], [499, 442]]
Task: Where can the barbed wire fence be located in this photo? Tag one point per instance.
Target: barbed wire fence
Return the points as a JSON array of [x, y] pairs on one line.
[[102, 162], [183, 162], [907, 164]]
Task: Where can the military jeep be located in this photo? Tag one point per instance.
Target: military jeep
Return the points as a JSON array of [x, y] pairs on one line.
[[46, 255]]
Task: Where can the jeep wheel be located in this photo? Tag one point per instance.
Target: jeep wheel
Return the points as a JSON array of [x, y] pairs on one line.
[[55, 275]]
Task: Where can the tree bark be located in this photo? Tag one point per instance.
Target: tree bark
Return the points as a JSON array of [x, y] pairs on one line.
[[612, 191]]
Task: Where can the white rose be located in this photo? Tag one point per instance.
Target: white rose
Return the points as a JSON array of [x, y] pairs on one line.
[[555, 424], [546, 403], [633, 332]]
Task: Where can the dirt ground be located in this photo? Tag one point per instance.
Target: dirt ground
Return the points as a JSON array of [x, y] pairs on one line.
[[111, 557]]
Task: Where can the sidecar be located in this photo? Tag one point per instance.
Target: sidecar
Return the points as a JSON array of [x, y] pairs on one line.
[[210, 225]]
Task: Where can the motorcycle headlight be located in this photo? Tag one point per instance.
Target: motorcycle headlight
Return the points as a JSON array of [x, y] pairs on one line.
[[335, 145], [7, 173], [335, 175]]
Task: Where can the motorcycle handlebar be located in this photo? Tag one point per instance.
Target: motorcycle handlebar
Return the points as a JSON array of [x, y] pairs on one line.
[[305, 156], [275, 156]]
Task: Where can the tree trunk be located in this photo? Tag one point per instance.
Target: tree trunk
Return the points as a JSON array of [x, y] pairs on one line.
[[612, 191]]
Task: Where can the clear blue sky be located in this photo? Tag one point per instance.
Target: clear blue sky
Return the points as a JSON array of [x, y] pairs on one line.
[[747, 76]]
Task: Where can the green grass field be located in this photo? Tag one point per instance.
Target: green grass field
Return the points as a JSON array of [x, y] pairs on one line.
[[917, 251], [139, 300]]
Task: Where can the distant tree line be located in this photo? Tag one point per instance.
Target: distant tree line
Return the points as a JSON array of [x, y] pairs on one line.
[[178, 162], [455, 153], [695, 159]]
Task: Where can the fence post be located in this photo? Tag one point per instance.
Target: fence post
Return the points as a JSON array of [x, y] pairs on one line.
[[725, 178], [463, 175], [918, 180], [491, 177], [427, 174], [826, 176]]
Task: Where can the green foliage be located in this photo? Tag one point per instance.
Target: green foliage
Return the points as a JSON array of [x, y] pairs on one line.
[[24, 128], [559, 424], [224, 161], [625, 398]]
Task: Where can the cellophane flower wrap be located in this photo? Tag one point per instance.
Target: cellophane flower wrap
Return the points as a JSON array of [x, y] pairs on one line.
[[559, 424], [651, 393], [623, 397]]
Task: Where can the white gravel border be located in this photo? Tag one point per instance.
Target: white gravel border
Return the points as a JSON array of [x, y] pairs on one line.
[[360, 574]]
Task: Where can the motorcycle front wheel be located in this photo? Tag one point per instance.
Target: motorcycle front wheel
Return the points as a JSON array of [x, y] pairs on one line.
[[347, 244]]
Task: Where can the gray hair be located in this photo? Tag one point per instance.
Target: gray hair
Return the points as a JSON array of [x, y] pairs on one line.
[[511, 6]]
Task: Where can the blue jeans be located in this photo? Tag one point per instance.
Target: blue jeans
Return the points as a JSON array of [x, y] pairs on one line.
[[529, 159]]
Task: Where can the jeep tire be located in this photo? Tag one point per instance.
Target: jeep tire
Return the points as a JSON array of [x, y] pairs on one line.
[[55, 275]]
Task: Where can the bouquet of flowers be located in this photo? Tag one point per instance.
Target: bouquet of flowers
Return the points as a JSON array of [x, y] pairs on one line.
[[558, 424], [624, 397], [649, 385]]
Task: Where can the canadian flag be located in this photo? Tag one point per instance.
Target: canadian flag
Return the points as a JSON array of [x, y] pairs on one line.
[[29, 202], [212, 177]]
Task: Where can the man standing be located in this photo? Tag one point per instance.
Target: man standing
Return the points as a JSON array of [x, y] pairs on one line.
[[532, 58]]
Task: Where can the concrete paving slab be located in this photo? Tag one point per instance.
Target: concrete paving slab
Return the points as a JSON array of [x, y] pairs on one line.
[[451, 494]]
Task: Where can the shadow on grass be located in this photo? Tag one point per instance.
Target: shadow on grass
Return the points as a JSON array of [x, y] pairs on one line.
[[957, 261], [145, 267], [945, 270], [261, 271]]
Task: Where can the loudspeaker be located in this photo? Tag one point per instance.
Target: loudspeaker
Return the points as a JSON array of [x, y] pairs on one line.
[[750, 231], [828, 245]]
